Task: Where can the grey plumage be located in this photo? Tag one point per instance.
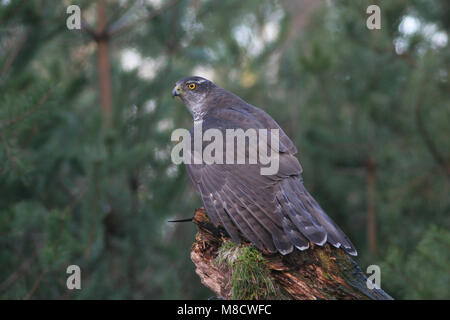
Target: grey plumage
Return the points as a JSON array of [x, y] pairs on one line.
[[274, 212]]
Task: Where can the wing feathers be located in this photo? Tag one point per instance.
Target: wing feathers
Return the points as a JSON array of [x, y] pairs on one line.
[[207, 201], [257, 217], [243, 221], [219, 209], [249, 197]]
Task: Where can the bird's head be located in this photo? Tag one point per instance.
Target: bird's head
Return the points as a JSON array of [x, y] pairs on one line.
[[193, 91]]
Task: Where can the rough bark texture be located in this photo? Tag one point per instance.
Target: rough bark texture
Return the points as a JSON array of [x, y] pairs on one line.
[[317, 273]]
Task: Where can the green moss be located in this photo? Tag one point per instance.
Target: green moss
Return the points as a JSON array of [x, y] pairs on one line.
[[250, 278], [324, 258]]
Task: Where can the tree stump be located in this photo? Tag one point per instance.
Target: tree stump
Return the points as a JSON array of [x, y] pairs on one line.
[[317, 273]]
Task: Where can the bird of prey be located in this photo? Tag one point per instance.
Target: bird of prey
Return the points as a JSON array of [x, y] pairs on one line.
[[274, 212]]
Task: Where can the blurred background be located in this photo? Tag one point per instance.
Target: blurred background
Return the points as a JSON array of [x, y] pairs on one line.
[[86, 117]]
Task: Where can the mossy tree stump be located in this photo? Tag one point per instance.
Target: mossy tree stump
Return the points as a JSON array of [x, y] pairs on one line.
[[244, 272]]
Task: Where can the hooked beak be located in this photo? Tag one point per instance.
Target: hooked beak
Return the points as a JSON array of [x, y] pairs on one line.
[[176, 91]]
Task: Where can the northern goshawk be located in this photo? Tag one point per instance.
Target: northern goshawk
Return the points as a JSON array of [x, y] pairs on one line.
[[272, 211]]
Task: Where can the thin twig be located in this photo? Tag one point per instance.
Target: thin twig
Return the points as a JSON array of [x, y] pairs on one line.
[[120, 20], [399, 192], [35, 286], [26, 114], [88, 29], [12, 57], [8, 154], [150, 16], [22, 270]]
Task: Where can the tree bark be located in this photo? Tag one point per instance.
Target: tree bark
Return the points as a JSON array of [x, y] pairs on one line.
[[103, 66], [317, 273]]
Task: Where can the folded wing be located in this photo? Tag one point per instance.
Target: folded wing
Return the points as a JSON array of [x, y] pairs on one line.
[[274, 212]]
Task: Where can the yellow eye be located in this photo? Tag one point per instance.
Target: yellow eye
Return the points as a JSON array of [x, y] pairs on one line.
[[192, 86]]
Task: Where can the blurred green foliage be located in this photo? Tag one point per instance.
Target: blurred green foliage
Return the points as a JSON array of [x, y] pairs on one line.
[[73, 191]]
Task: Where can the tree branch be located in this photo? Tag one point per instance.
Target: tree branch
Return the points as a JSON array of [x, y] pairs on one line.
[[88, 29], [33, 109], [151, 15]]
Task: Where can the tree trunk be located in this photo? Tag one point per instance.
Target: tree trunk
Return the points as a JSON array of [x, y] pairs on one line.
[[317, 273], [103, 66]]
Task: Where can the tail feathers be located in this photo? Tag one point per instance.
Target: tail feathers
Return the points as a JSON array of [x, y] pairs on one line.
[[299, 241], [282, 243], [340, 239], [303, 220], [336, 236]]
